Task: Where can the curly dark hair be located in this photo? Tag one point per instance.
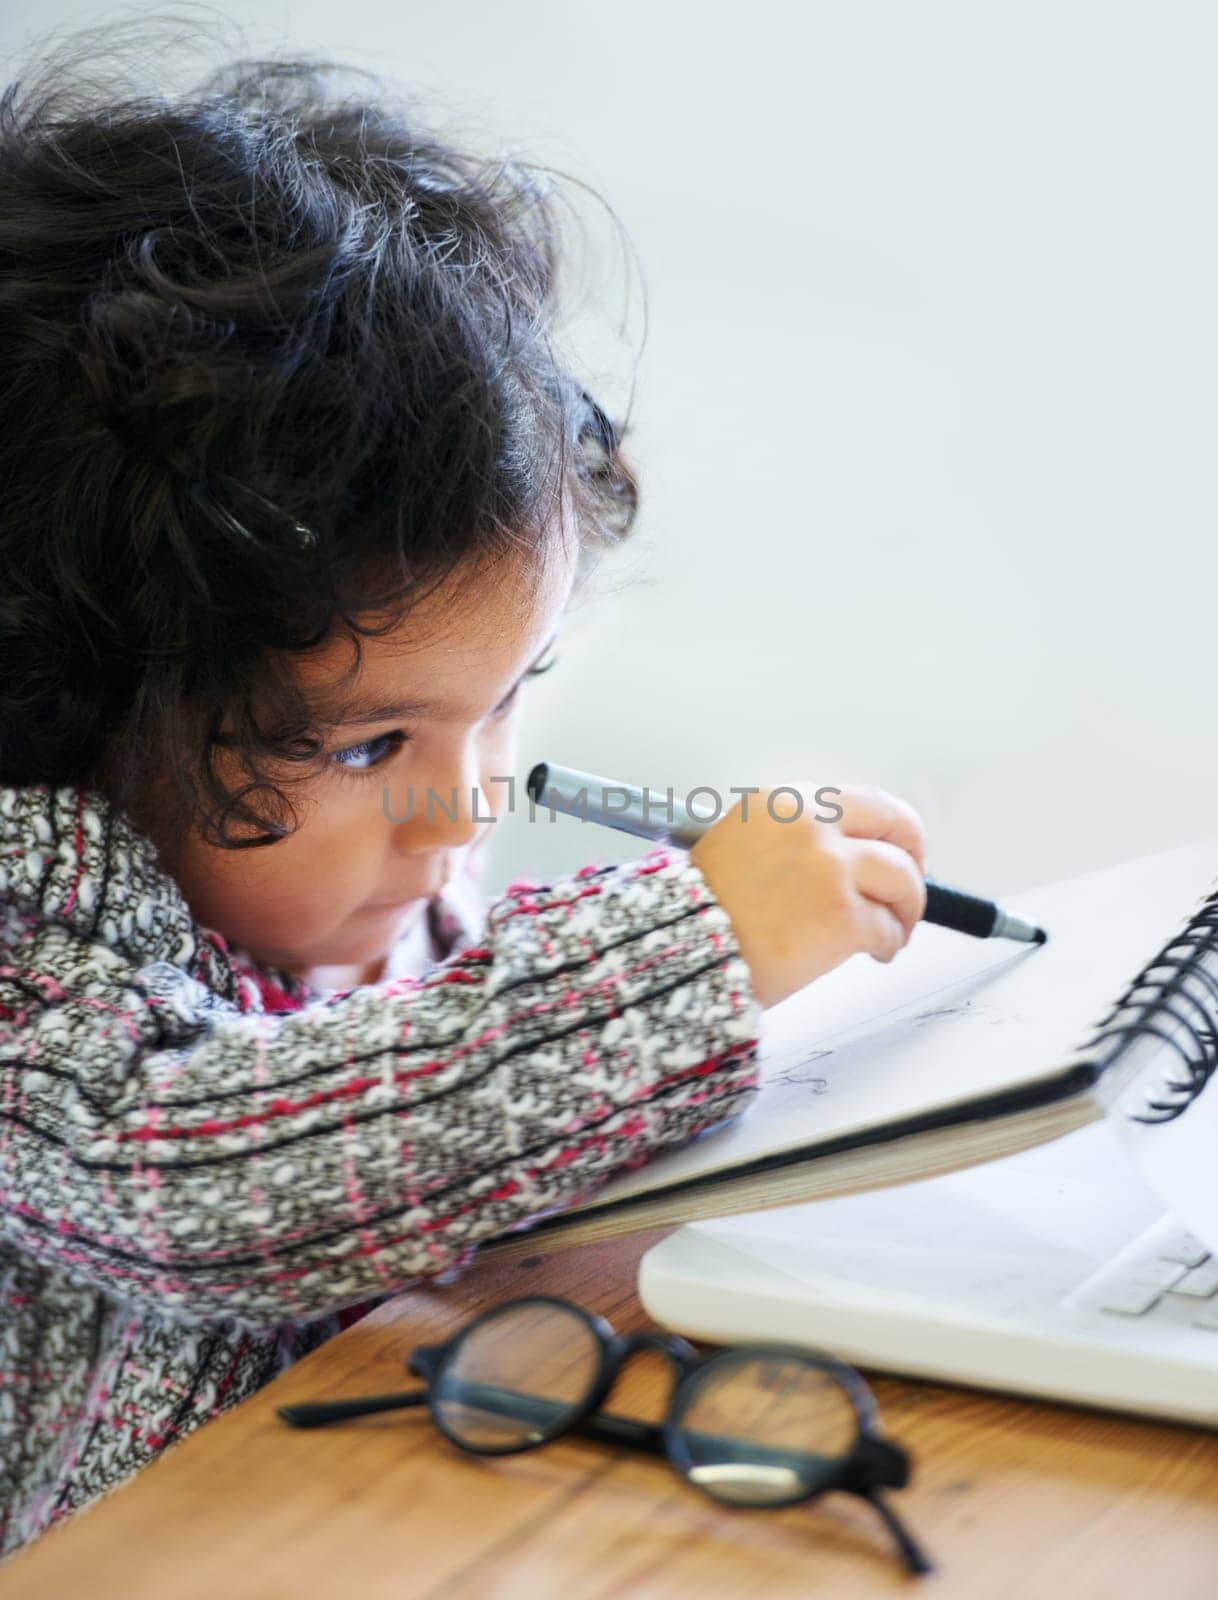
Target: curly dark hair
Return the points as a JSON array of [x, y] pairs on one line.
[[272, 356]]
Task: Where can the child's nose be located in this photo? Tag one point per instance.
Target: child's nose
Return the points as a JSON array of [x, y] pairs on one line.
[[453, 823], [449, 812]]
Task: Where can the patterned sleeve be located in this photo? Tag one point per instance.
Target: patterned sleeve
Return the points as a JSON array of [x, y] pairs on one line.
[[277, 1166]]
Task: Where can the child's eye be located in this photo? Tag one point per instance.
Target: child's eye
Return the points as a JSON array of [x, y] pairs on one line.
[[372, 753], [369, 753], [542, 666], [534, 672]]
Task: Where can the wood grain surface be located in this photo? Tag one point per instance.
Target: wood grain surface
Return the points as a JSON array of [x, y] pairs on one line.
[[1010, 1498]]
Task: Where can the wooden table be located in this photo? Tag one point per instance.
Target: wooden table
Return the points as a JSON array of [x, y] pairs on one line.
[[1011, 1499]]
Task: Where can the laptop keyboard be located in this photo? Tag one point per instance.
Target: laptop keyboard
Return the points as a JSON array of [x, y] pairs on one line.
[[1164, 1267]]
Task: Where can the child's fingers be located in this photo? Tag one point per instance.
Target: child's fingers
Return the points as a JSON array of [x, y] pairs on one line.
[[885, 874], [869, 813], [883, 935]]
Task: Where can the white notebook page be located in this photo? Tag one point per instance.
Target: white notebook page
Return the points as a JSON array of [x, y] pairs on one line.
[[952, 1017]]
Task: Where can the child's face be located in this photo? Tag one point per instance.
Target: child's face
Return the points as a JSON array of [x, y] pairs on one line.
[[354, 877]]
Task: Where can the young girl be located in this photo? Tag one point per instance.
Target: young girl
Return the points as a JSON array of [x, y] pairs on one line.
[[295, 493]]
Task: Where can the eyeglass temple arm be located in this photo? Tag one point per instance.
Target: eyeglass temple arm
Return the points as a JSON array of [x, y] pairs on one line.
[[603, 1425], [913, 1555], [315, 1414], [611, 1428]]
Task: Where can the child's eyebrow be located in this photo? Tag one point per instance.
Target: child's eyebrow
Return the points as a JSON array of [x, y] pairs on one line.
[[353, 715], [385, 711]]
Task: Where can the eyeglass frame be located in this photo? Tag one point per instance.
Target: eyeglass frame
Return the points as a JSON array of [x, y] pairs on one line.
[[875, 1462]]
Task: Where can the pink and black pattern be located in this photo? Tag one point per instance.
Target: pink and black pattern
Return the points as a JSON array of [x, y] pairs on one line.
[[204, 1164]]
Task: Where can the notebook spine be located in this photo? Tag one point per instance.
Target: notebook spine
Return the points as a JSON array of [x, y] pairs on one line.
[[1173, 998]]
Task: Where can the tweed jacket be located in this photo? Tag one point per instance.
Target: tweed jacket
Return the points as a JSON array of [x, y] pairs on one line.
[[205, 1164]]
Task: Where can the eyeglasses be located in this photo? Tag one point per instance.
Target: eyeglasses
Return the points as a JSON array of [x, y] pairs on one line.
[[758, 1425]]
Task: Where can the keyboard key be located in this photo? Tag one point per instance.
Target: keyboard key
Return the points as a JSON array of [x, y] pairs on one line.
[[1185, 1248], [1131, 1299], [1201, 1282], [1155, 1274], [1140, 1287]]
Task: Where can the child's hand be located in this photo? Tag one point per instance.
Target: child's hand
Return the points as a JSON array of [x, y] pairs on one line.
[[804, 895]]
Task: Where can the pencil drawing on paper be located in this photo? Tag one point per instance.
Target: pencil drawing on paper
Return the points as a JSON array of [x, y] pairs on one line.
[[796, 1076]]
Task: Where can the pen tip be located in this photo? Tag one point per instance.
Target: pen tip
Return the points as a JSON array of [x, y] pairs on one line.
[[1041, 936]]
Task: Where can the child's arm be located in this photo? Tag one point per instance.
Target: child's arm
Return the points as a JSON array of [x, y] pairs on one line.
[[277, 1167]]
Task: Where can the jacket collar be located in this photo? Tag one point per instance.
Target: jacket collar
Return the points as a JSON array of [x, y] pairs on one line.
[[68, 856]]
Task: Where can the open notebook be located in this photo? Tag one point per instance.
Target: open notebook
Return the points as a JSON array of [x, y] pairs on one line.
[[959, 1051]]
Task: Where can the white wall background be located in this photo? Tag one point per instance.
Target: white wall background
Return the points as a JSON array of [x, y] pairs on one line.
[[927, 408]]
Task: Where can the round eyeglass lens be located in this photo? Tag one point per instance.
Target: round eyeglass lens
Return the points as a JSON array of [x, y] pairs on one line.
[[517, 1377], [761, 1429]]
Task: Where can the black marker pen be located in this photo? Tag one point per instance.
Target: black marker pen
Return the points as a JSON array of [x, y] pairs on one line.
[[560, 789]]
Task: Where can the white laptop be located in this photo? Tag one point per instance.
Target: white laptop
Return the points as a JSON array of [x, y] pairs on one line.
[[1057, 1273]]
